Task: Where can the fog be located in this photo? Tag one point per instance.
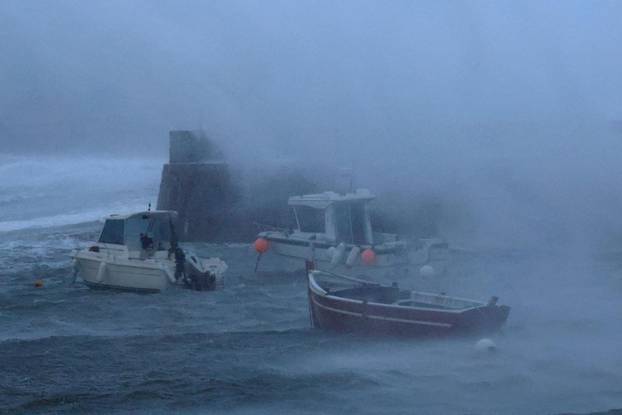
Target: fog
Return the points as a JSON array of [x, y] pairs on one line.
[[504, 112], [498, 122], [450, 77]]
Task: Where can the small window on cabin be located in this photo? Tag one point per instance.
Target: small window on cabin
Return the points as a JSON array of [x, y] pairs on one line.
[[350, 221], [164, 235], [359, 221], [112, 232], [342, 222], [311, 220]]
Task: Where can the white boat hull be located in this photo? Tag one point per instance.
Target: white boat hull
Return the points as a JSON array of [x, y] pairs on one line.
[[135, 275], [389, 262], [392, 261], [323, 256]]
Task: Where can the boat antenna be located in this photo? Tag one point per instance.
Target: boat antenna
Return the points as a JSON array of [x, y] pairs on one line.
[[351, 184], [345, 180]]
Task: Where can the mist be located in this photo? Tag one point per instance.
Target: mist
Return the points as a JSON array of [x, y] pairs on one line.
[[503, 111], [496, 125]]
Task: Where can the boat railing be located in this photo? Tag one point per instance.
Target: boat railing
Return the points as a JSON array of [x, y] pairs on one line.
[[265, 227]]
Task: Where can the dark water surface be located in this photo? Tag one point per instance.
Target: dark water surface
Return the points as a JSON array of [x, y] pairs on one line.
[[249, 348]]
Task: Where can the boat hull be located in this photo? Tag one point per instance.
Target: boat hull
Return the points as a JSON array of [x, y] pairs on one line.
[[391, 260], [319, 252], [347, 315], [98, 286], [123, 275]]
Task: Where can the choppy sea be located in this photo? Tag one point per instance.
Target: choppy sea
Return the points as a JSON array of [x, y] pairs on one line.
[[249, 348]]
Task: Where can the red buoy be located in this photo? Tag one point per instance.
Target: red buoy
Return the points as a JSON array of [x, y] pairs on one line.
[[368, 256], [262, 245]]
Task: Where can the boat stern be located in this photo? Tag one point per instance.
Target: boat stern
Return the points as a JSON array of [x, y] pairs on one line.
[[485, 319]]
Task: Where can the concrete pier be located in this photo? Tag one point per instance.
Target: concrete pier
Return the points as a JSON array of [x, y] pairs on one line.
[[196, 184]]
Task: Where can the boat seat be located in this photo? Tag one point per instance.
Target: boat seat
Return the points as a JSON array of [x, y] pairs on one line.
[[372, 294], [413, 303]]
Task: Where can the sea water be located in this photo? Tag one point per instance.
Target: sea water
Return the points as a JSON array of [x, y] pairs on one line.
[[250, 349]]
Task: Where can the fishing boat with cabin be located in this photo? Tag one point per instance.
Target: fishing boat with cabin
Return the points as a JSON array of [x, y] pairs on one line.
[[334, 231], [140, 252]]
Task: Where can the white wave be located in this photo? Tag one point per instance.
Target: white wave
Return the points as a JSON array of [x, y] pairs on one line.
[[67, 218], [42, 171], [44, 192]]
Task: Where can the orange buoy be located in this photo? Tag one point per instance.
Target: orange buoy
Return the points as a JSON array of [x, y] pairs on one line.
[[368, 256], [262, 245], [39, 283]]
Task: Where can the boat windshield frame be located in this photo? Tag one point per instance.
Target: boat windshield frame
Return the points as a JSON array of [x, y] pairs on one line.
[[159, 231], [334, 214]]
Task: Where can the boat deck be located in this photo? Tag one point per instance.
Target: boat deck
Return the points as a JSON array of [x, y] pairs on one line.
[[391, 295], [373, 294]]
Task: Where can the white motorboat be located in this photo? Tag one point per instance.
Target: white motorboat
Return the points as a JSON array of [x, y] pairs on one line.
[[334, 231], [140, 252]]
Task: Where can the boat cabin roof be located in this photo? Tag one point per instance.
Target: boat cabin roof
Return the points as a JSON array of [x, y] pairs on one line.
[[324, 200]]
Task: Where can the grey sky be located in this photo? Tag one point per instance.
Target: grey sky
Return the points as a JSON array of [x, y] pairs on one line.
[[283, 75]]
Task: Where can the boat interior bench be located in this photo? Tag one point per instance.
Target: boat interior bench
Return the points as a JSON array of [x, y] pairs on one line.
[[373, 294], [393, 295]]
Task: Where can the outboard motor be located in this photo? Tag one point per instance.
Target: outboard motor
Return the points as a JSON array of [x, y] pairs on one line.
[[197, 277], [180, 263], [203, 282]]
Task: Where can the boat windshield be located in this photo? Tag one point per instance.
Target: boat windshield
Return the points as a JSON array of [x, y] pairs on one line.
[[309, 219], [147, 231], [112, 232]]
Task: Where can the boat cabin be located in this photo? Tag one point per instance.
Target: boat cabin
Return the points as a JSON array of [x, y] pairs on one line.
[[151, 230], [335, 217]]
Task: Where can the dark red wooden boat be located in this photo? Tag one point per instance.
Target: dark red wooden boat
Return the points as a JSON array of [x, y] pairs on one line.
[[345, 304]]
